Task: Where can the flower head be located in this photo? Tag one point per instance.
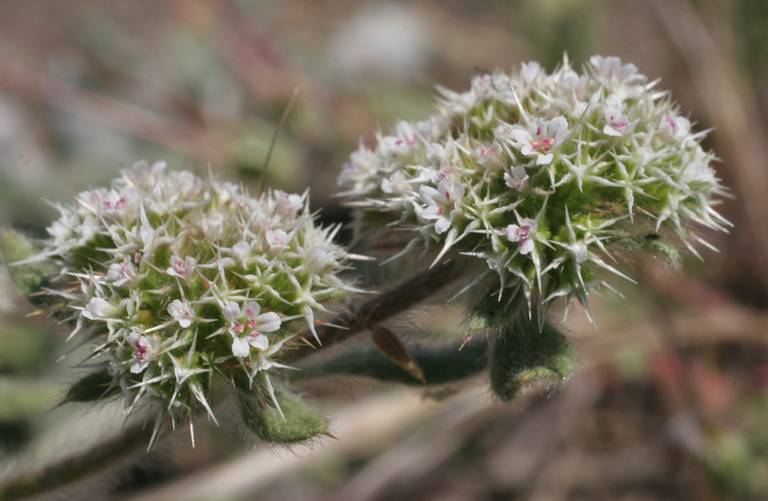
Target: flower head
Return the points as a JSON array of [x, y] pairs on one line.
[[181, 279], [543, 176]]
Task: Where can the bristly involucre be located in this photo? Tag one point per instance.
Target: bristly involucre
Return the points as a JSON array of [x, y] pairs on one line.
[[178, 279], [543, 176]]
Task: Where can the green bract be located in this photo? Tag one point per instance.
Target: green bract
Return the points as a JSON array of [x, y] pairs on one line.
[[176, 279], [544, 176]]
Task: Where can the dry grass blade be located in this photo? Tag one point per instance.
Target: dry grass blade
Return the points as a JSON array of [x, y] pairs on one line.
[[280, 125]]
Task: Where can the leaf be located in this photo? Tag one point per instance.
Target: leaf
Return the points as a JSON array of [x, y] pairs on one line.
[[30, 278], [95, 386], [439, 365], [301, 423], [391, 347], [522, 354]]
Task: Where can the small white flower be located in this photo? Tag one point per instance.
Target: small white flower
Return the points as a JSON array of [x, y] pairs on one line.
[[530, 71], [319, 258], [401, 143], [287, 204], [182, 313], [616, 123], [182, 268], [523, 234], [441, 203], [211, 226], [144, 176], [539, 143], [487, 156], [246, 327], [516, 178], [100, 309], [698, 171], [395, 184], [122, 272], [457, 103], [144, 349], [674, 126], [277, 239], [241, 251]]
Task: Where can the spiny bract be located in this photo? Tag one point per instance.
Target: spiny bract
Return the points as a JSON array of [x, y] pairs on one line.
[[544, 176], [179, 278]]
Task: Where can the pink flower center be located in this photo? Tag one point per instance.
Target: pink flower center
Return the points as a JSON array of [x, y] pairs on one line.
[[116, 206], [672, 124], [239, 327], [124, 269], [545, 145], [142, 351], [619, 124], [400, 142]]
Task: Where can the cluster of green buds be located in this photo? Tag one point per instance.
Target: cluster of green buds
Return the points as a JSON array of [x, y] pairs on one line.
[[545, 177], [176, 280]]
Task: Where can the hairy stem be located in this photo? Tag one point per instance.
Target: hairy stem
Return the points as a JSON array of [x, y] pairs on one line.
[[386, 305]]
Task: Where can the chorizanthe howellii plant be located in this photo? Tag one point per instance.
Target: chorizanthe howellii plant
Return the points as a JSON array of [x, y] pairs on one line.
[[176, 280], [546, 177]]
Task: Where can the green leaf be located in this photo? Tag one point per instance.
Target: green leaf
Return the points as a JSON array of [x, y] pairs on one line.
[[264, 420], [30, 278], [523, 354], [439, 365], [95, 386]]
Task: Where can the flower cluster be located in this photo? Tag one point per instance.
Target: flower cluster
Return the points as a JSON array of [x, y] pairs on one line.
[[180, 278], [543, 176]]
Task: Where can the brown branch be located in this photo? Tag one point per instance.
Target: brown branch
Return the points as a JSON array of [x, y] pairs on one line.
[[386, 305]]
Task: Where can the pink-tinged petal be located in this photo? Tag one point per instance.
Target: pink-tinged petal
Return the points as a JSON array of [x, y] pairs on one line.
[[532, 224], [513, 233], [268, 322], [526, 246], [277, 239], [240, 347], [259, 341], [251, 310]]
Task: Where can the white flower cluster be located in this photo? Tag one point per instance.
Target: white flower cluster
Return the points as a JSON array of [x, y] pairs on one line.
[[180, 278], [543, 176]]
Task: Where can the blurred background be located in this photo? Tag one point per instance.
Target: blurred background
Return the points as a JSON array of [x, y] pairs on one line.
[[669, 401]]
